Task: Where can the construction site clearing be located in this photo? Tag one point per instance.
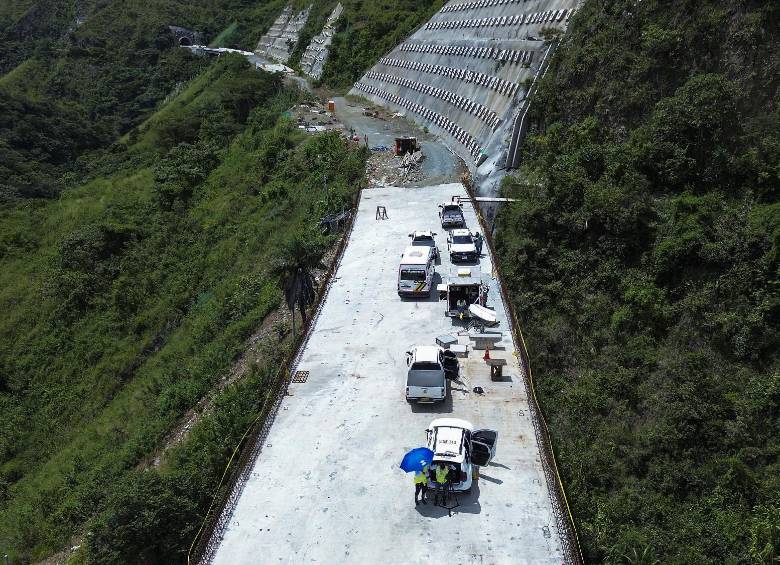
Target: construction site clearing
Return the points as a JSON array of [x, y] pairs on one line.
[[385, 168], [314, 116], [326, 485]]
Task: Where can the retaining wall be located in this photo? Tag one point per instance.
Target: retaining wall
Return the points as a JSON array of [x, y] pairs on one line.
[[278, 43], [465, 74], [313, 59]]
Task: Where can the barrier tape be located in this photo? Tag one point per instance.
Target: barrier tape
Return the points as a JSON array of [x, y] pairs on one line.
[[560, 502]]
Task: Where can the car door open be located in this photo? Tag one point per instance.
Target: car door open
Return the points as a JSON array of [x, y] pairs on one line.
[[483, 446]]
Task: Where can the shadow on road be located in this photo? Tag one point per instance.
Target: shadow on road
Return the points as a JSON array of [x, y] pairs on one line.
[[483, 476], [467, 503], [444, 407]]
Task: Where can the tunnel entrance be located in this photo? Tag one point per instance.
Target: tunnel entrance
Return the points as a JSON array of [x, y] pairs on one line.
[[185, 41]]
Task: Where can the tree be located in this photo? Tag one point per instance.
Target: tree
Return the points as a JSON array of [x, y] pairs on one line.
[[301, 254]]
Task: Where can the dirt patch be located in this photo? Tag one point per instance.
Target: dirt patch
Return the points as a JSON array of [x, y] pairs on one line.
[[62, 557], [386, 169], [313, 116]]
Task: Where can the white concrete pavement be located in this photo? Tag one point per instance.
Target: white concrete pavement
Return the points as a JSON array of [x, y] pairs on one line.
[[326, 487]]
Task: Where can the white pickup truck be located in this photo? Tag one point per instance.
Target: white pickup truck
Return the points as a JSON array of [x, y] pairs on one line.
[[429, 368], [457, 445], [462, 247]]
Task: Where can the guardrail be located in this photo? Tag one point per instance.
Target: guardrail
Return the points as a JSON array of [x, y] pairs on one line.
[[560, 503], [239, 469]]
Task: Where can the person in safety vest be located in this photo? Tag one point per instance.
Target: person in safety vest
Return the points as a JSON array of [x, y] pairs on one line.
[[478, 244], [441, 476], [421, 485], [461, 305]]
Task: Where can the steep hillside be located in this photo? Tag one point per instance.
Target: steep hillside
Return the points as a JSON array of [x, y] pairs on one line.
[[129, 297], [368, 30], [75, 86], [643, 258]]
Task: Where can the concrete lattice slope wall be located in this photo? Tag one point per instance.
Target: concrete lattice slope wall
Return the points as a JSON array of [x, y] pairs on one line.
[[279, 42], [465, 74], [313, 59]]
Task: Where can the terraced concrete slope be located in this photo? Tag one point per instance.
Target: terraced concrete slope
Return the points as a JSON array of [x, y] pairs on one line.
[[465, 73], [316, 54], [278, 43], [326, 487]]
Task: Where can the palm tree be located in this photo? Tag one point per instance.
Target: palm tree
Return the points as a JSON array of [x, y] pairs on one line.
[[300, 256]]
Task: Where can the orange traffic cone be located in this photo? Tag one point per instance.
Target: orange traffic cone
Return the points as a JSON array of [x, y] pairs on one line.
[[487, 354]]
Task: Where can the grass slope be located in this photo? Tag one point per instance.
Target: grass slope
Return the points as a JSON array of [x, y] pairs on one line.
[[129, 297]]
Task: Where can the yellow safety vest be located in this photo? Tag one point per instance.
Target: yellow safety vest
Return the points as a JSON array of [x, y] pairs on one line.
[[441, 474], [420, 478]]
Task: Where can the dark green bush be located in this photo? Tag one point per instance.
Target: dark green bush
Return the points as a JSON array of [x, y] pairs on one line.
[[642, 257]]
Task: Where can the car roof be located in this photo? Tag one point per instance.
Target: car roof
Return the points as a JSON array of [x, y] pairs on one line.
[[426, 353], [419, 233], [461, 231], [453, 423], [449, 444], [416, 255]]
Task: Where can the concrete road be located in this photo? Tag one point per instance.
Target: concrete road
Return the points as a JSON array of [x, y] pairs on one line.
[[326, 488], [440, 164]]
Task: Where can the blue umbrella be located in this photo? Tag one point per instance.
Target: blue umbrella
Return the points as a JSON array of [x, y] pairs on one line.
[[416, 459]]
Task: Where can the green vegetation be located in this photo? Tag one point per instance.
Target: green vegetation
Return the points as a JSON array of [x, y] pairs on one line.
[[74, 87], [128, 298], [642, 256], [368, 30], [365, 32]]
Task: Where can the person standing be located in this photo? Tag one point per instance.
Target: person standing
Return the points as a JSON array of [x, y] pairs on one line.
[[478, 240], [441, 472], [421, 485], [461, 306]]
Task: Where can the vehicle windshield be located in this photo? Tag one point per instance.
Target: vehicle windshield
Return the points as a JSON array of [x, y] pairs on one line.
[[424, 239], [425, 366], [429, 376], [412, 275], [452, 209], [461, 239]]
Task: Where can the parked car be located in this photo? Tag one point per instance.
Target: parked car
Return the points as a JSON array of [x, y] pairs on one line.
[[458, 445], [429, 368], [461, 246], [416, 271], [451, 216], [425, 238]]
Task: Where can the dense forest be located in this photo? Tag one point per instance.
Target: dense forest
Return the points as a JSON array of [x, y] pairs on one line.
[[642, 256], [147, 199], [78, 74]]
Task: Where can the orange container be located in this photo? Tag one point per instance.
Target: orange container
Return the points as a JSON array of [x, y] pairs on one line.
[[331, 106]]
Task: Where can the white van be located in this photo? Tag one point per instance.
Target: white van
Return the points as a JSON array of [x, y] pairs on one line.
[[416, 271], [456, 444]]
